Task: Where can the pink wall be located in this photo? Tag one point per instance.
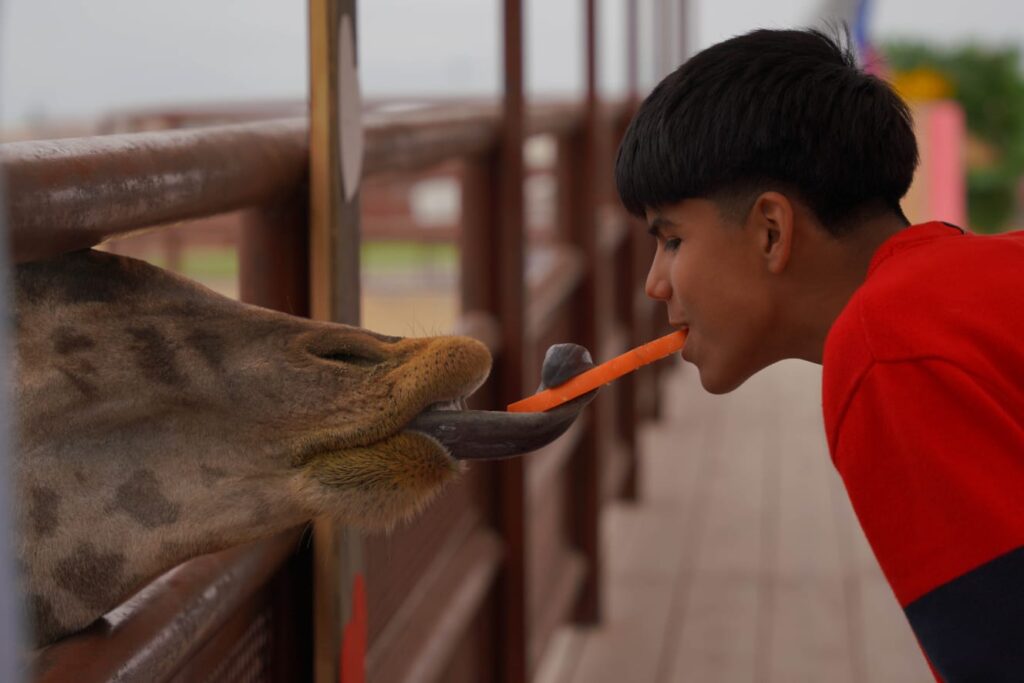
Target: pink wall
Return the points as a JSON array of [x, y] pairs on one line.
[[939, 189]]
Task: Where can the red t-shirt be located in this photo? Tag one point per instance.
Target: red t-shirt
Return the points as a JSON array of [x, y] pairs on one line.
[[923, 398]]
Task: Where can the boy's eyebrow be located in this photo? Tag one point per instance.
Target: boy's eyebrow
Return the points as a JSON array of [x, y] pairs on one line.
[[657, 224]]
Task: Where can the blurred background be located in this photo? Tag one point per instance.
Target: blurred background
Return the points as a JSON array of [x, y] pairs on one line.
[[71, 68], [744, 561]]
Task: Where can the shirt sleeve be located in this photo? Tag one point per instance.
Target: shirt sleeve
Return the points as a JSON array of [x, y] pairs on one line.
[[934, 466]]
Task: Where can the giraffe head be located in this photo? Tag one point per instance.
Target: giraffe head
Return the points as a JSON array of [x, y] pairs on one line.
[[158, 420]]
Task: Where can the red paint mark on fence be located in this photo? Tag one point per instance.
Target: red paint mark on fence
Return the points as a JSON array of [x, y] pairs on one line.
[[353, 639]]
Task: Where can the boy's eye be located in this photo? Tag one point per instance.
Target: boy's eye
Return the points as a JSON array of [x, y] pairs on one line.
[[672, 243]]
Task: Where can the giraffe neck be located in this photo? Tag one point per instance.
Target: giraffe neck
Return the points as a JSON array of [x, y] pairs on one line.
[[97, 525]]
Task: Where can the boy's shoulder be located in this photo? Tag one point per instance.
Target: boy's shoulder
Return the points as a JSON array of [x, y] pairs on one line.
[[931, 288], [931, 294]]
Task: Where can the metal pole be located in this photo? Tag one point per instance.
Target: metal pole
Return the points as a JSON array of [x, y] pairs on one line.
[[683, 26], [336, 157], [511, 245], [632, 52], [11, 644], [593, 296], [664, 30]]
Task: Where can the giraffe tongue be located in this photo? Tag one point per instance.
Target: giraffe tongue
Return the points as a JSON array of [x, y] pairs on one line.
[[488, 435]]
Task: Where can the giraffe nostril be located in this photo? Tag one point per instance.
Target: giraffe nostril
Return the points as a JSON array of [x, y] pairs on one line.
[[349, 357], [353, 348]]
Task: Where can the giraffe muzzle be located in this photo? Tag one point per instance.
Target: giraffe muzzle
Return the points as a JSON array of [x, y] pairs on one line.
[[496, 434]]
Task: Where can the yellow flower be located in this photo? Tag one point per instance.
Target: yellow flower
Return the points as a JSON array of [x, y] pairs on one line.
[[922, 84]]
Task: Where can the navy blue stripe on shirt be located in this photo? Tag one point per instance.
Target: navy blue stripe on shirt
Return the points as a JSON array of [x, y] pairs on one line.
[[972, 628]]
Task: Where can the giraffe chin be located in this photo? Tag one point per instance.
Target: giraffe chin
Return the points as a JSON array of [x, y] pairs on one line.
[[375, 485], [378, 485]]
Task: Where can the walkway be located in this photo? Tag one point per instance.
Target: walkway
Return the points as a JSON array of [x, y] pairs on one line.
[[744, 562]]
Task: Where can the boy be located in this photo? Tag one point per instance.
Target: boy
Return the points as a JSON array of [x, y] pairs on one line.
[[770, 170]]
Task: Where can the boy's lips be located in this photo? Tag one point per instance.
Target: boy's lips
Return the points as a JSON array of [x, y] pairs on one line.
[[682, 327]]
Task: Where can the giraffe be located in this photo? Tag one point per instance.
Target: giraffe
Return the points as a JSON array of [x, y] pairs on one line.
[[157, 420]]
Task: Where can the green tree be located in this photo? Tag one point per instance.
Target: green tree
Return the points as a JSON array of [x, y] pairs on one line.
[[987, 83]]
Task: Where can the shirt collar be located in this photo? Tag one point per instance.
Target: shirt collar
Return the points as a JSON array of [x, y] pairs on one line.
[[913, 234]]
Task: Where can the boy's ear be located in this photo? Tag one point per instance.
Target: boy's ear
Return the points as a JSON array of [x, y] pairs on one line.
[[771, 219]]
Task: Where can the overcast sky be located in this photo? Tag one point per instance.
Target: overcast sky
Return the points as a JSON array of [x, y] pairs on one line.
[[63, 59]]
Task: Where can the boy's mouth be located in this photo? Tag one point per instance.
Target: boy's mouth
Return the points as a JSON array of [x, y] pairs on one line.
[[683, 327]]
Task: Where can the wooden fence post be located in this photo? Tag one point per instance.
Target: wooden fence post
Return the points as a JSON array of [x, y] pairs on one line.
[[335, 155], [11, 642], [510, 255]]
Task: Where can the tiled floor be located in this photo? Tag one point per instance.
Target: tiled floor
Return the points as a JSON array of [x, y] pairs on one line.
[[744, 561]]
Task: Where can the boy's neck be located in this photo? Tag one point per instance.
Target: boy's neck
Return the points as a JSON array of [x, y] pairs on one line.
[[838, 273]]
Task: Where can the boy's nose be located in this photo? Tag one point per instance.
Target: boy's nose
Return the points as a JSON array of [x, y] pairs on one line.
[[657, 287]]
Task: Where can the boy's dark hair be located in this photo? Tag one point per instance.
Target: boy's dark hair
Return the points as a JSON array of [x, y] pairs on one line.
[[786, 110]]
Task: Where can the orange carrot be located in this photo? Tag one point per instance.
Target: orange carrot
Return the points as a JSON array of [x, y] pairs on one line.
[[600, 375]]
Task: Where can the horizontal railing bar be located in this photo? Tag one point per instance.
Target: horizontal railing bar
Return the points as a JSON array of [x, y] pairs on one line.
[[415, 139], [74, 193], [554, 118], [560, 593], [435, 616], [152, 634], [410, 137]]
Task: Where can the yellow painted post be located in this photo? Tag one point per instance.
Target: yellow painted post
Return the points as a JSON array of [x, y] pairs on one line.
[[335, 156]]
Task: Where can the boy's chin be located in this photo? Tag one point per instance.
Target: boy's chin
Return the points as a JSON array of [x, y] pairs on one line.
[[717, 382]]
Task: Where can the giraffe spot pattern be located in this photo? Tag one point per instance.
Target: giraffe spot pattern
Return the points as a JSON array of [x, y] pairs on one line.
[[87, 388], [42, 510], [66, 340], [45, 624], [155, 355], [208, 345], [92, 277], [142, 499], [90, 575], [211, 474]]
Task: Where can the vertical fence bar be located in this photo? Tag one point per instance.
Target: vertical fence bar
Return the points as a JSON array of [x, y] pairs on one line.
[[336, 149], [663, 23], [586, 466], [510, 244], [480, 259], [627, 414], [480, 264], [631, 270], [12, 643], [683, 27], [274, 256], [632, 52], [274, 273], [640, 243]]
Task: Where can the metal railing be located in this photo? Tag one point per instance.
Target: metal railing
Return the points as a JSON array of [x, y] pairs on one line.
[[73, 194]]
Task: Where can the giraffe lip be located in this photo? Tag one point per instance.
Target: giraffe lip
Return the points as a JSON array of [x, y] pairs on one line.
[[457, 404], [496, 434]]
